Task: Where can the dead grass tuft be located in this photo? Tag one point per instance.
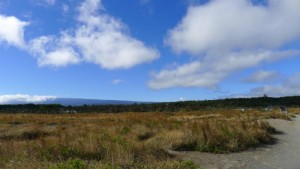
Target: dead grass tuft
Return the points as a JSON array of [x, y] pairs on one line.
[[128, 140]]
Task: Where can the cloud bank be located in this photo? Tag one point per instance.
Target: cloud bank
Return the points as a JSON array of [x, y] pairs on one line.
[[20, 99], [289, 87], [262, 76], [227, 36], [209, 73]]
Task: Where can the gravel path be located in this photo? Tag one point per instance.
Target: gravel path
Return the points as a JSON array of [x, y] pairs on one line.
[[283, 155]]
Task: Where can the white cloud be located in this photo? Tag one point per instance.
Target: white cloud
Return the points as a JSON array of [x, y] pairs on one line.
[[59, 57], [188, 75], [210, 72], [99, 39], [12, 30], [16, 99], [262, 76], [226, 36], [236, 24], [182, 99], [289, 87], [53, 52], [112, 49], [103, 40]]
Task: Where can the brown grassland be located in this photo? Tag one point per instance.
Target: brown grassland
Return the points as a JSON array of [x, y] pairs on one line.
[[127, 140]]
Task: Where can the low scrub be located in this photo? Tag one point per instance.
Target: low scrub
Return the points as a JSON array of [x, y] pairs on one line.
[[128, 140]]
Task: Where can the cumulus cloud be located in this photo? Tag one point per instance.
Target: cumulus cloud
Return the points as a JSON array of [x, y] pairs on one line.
[[187, 75], [289, 87], [53, 52], [12, 30], [103, 40], [211, 72], [20, 99], [226, 36], [262, 76], [99, 38], [236, 24], [59, 57]]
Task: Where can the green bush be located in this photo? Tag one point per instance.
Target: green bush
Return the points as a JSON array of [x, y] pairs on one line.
[[125, 130], [109, 166], [188, 165], [71, 164]]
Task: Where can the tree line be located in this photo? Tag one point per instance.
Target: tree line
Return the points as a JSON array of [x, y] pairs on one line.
[[259, 102]]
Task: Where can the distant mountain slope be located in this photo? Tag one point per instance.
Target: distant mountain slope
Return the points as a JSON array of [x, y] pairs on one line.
[[80, 102], [109, 106], [72, 102]]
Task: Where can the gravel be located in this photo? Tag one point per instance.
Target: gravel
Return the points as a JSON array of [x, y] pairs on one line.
[[285, 154]]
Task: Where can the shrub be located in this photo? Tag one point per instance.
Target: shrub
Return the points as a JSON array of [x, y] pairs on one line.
[[125, 130], [71, 164]]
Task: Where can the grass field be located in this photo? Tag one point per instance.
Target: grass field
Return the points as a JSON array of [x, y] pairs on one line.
[[127, 140]]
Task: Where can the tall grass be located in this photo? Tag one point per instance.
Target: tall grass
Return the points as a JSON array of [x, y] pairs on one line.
[[128, 140]]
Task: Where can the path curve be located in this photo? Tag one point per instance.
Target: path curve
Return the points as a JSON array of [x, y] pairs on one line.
[[283, 155]]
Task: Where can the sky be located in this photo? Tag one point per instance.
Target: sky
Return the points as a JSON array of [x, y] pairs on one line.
[[148, 50]]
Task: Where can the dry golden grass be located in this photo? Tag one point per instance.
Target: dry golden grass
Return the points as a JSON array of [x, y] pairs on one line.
[[127, 140]]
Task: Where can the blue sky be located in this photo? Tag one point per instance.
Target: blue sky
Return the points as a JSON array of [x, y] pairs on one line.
[[148, 50]]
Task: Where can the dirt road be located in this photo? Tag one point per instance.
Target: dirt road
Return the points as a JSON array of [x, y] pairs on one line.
[[283, 155]]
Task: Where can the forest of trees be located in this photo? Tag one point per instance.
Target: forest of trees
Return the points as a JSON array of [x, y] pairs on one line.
[[259, 102]]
